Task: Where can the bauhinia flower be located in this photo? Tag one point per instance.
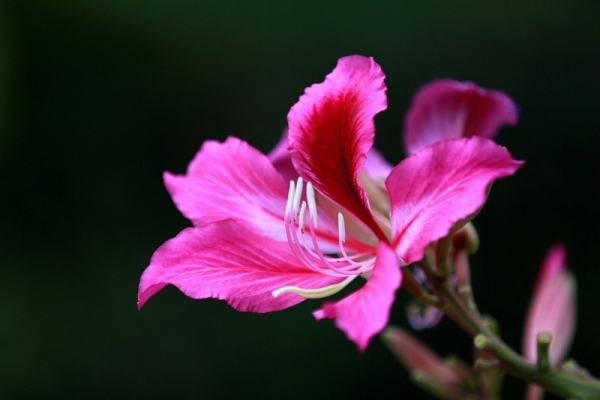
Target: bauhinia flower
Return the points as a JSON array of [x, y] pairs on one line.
[[263, 244], [552, 310]]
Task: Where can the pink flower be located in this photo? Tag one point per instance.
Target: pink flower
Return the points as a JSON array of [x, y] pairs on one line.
[[263, 244], [552, 309]]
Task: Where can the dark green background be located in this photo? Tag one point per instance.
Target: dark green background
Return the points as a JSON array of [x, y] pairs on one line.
[[98, 98]]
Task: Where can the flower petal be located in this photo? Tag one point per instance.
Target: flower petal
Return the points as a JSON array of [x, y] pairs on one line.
[[225, 261], [446, 109], [331, 130], [281, 160], [231, 180], [552, 308], [376, 166], [365, 312], [554, 263], [440, 186]]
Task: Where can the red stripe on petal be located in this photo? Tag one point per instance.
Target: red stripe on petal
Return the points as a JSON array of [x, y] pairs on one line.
[[331, 130]]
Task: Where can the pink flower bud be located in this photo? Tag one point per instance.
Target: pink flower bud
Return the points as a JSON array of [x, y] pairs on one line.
[[422, 362], [552, 308]]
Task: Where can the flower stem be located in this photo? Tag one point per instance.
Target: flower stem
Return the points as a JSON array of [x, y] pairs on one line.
[[558, 382], [543, 347]]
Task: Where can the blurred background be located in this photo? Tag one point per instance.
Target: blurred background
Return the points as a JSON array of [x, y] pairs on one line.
[[98, 98]]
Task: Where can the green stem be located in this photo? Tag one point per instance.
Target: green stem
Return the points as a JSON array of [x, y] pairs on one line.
[[543, 349], [557, 382]]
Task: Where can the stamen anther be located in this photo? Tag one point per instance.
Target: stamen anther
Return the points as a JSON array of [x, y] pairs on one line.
[[312, 204], [302, 218], [297, 196], [341, 228], [290, 199]]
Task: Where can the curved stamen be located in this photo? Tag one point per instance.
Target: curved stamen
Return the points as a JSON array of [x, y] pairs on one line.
[[302, 218], [344, 265], [341, 228], [310, 253], [291, 193], [315, 293], [297, 196], [342, 237], [342, 268], [312, 204]]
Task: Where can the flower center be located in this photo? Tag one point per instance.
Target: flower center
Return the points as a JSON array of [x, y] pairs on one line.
[[301, 219]]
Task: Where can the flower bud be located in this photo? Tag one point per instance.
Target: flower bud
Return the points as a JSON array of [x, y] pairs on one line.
[[467, 238], [552, 308], [423, 363]]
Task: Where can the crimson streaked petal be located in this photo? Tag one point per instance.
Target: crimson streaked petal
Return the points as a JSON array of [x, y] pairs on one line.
[[331, 130], [440, 186], [226, 261], [446, 109], [365, 312]]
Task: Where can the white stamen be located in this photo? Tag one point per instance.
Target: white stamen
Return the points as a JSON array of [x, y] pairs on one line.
[[312, 204], [302, 218], [290, 200], [315, 293], [297, 196], [311, 254], [341, 228]]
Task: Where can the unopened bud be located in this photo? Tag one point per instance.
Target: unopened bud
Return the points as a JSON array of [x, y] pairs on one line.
[[552, 308], [467, 238], [423, 362]]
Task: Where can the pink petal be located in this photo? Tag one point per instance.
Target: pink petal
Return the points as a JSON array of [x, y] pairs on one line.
[[445, 109], [552, 308], [554, 263], [440, 186], [281, 160], [231, 180], [331, 130], [365, 312], [225, 261], [376, 166]]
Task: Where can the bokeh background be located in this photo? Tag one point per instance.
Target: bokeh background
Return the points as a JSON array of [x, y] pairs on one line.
[[99, 97]]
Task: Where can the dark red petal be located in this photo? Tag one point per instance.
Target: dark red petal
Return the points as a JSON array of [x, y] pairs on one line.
[[331, 130]]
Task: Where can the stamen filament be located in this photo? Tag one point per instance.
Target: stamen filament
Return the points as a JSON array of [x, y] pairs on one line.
[[310, 254]]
